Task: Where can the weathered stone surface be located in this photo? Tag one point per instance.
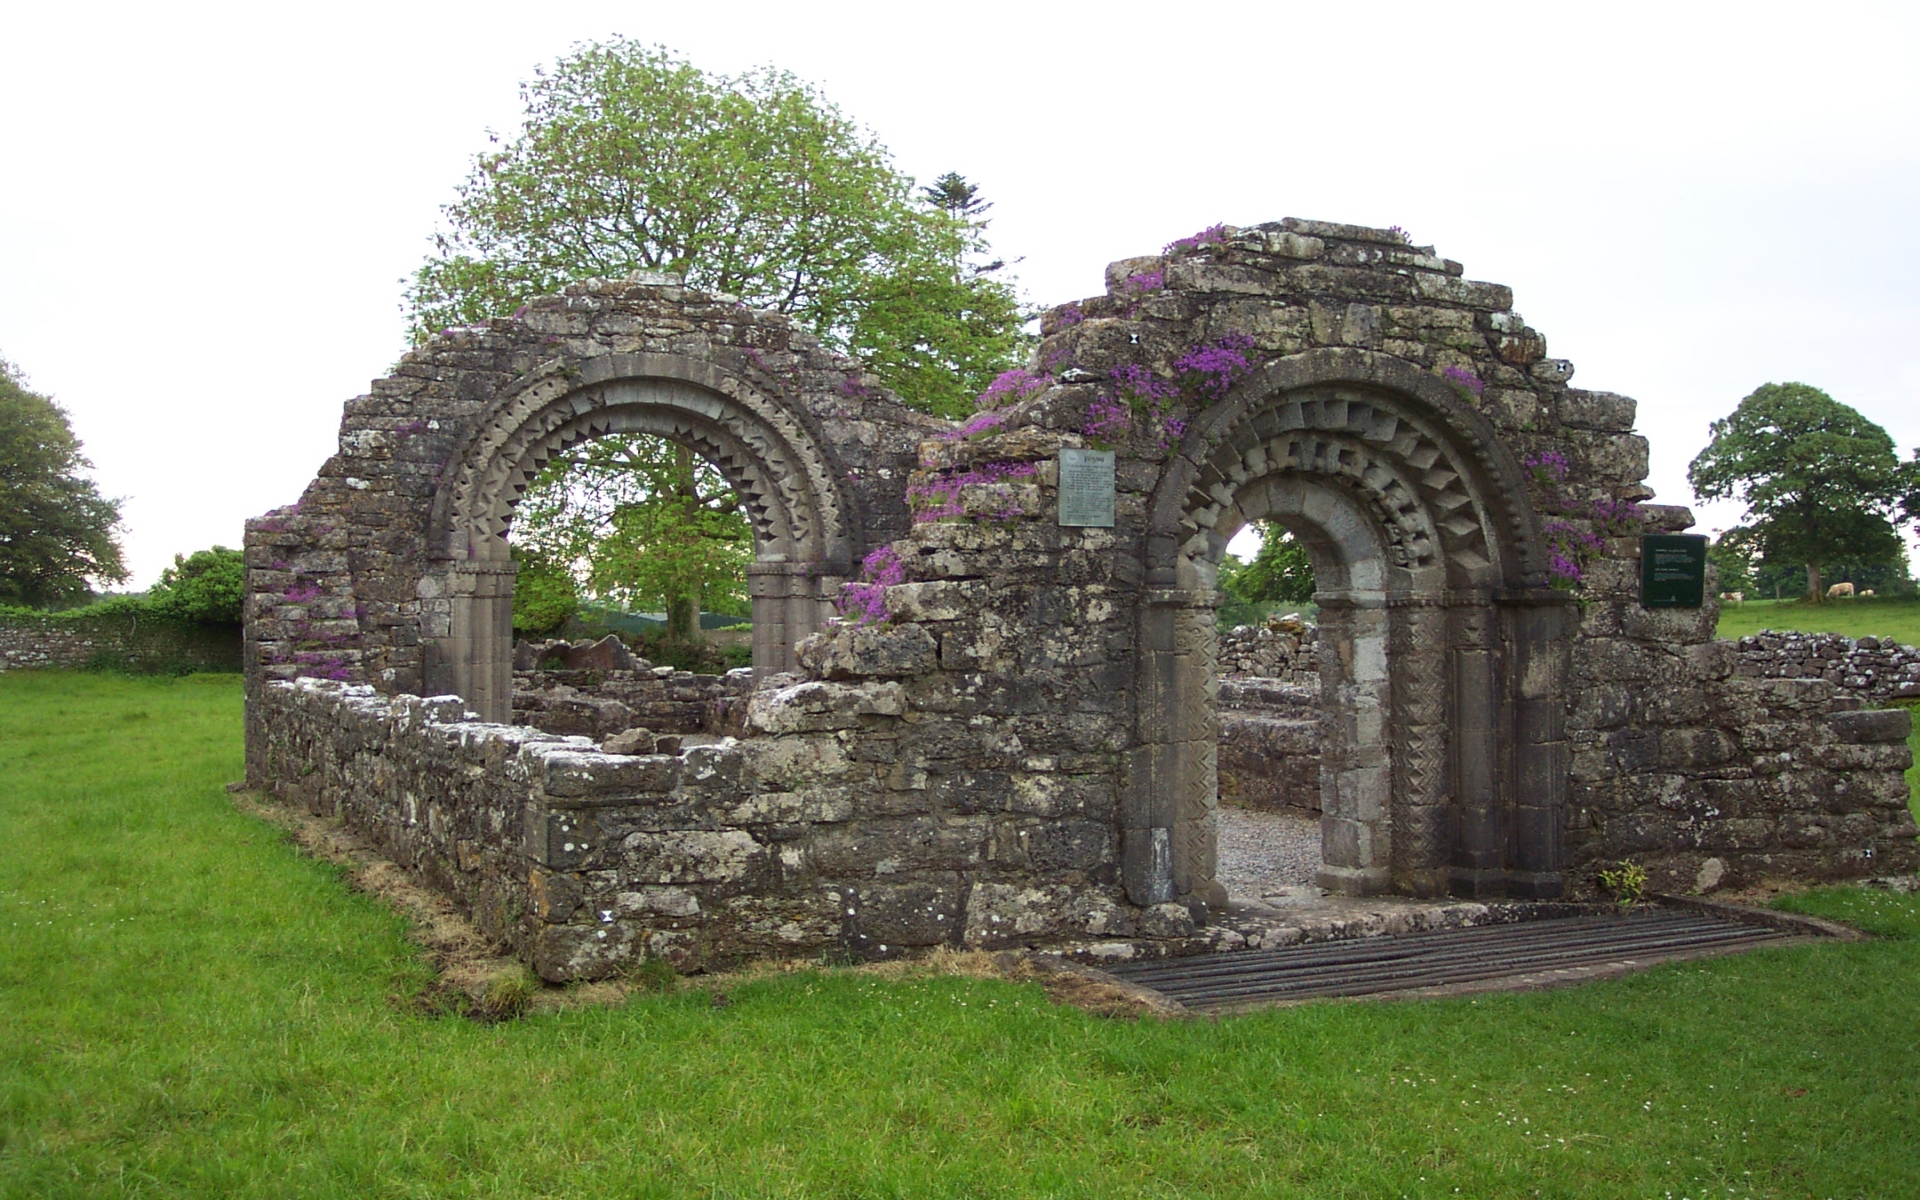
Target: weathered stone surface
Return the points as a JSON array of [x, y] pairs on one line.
[[1029, 748]]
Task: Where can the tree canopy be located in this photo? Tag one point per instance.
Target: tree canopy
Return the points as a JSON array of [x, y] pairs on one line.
[[754, 185], [1822, 483], [1279, 573], [56, 529], [206, 587]]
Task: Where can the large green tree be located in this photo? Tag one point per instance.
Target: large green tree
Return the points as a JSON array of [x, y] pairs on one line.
[[56, 529], [1822, 483], [1279, 573], [631, 159]]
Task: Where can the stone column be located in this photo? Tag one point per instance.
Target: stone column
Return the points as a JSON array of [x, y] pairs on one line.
[[1167, 812], [1423, 813], [1480, 851], [1356, 773], [471, 656], [1542, 760], [790, 601]]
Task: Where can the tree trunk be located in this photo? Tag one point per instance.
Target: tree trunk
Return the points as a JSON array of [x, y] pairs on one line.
[[683, 608], [1815, 592]]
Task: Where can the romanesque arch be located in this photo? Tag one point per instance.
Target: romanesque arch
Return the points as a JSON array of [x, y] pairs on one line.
[[803, 522], [1445, 660]]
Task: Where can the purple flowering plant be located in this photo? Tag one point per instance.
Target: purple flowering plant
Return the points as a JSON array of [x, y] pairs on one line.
[[865, 602], [1012, 387], [1465, 382], [1212, 235], [939, 498]]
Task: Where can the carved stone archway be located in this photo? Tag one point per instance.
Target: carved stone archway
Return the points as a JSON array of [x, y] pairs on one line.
[[1444, 651], [803, 524]]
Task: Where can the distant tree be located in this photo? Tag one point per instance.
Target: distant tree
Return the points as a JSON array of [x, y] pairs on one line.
[[1279, 573], [631, 159], [206, 587], [56, 529], [1820, 481], [545, 594], [653, 525], [1734, 563]]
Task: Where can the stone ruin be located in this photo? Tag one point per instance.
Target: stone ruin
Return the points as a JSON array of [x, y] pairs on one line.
[[1014, 736]]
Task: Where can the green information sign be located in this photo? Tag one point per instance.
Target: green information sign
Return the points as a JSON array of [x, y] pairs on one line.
[[1673, 570]]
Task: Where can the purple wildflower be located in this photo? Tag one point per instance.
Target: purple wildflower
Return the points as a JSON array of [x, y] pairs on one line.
[[865, 602], [936, 499], [1212, 235], [1011, 387], [1069, 317], [1462, 378], [1548, 465], [1107, 420], [1147, 281], [1217, 367], [977, 424]]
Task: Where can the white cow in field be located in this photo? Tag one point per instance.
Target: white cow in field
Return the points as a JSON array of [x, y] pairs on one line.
[[1868, 592], [1840, 589], [1734, 597]]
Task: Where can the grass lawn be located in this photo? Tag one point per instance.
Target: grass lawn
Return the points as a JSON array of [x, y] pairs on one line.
[[193, 1009], [1897, 617]]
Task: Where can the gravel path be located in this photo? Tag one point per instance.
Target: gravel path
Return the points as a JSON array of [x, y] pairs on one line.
[[1265, 853]]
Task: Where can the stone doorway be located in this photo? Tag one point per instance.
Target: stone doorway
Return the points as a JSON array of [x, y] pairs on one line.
[[1444, 654]]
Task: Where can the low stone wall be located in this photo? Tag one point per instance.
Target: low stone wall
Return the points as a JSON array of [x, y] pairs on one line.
[[1869, 668], [1709, 776], [1270, 745], [119, 642], [812, 836], [1285, 650]]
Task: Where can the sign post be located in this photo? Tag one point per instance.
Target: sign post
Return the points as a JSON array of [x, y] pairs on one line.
[[1673, 570], [1086, 488]]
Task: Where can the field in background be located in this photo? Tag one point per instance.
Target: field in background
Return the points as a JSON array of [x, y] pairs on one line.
[[1897, 617], [192, 1008]]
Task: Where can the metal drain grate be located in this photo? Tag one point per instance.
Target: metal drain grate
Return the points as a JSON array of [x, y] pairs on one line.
[[1440, 958]]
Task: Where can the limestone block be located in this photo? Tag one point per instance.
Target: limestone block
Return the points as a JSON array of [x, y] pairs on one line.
[[1881, 725], [863, 651], [728, 856], [816, 706], [1603, 411]]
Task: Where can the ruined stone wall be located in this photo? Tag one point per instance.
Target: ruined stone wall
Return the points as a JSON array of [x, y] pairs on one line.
[[948, 777], [1018, 741], [116, 643], [336, 581], [1270, 740]]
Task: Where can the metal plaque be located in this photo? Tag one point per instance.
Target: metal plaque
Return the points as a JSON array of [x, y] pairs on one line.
[[1086, 488], [1673, 570]]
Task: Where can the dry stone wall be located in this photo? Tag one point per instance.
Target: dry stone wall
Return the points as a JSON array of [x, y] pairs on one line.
[[1871, 669], [116, 643]]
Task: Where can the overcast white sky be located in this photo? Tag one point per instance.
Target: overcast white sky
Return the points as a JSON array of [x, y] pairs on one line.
[[207, 210]]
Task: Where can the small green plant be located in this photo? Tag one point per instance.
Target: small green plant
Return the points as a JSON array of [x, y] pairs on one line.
[[507, 995], [655, 975], [1626, 883]]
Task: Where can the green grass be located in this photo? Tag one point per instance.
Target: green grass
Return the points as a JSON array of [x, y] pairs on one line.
[[190, 1008], [1897, 617]]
